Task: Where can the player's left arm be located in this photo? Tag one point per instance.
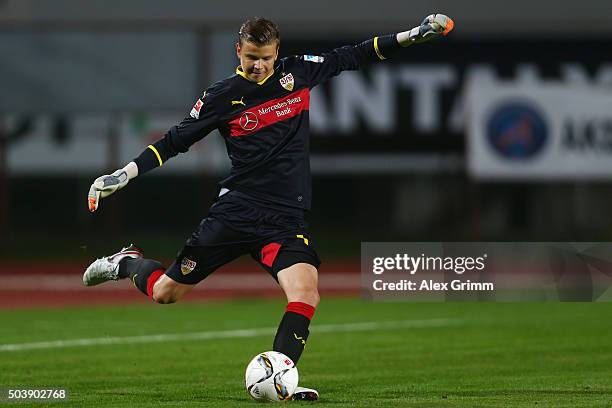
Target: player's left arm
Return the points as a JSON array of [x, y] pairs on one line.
[[320, 68]]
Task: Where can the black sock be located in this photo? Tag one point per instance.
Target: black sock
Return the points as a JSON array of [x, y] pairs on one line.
[[139, 270], [293, 331]]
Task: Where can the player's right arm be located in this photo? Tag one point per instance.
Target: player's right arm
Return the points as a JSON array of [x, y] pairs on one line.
[[200, 122]]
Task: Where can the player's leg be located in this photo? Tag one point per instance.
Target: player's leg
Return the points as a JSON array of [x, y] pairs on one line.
[[212, 245], [202, 255], [151, 279], [220, 238], [142, 272], [293, 262], [166, 290], [147, 275], [291, 259], [128, 263], [299, 282]]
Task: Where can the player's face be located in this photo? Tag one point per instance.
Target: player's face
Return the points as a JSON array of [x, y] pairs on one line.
[[257, 62]]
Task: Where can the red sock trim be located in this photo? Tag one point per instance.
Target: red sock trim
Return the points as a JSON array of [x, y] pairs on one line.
[[301, 308], [153, 277]]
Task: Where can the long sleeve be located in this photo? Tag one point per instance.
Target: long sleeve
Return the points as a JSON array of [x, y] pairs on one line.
[[202, 120], [350, 57]]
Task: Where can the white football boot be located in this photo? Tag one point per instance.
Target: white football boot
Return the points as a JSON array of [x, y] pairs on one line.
[[305, 394], [107, 268]]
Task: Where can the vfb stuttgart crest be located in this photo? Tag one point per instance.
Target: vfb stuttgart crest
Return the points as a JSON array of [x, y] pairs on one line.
[[287, 82], [187, 266]]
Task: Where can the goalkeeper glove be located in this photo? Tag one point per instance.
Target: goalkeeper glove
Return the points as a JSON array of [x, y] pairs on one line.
[[106, 185], [433, 26]]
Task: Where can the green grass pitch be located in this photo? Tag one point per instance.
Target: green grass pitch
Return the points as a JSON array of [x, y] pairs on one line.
[[472, 355]]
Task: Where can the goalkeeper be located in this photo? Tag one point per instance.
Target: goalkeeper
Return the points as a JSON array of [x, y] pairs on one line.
[[262, 113]]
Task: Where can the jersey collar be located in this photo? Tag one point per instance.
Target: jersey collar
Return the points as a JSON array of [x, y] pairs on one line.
[[240, 72]]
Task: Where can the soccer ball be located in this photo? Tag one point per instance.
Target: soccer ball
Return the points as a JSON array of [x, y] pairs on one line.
[[271, 376]]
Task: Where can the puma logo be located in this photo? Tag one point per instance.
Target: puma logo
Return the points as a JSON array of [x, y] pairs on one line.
[[301, 339], [240, 102], [134, 279]]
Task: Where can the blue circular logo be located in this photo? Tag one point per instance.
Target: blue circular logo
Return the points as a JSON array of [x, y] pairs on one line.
[[517, 130]]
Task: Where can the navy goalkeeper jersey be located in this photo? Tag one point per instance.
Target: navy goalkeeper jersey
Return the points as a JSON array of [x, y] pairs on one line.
[[265, 124]]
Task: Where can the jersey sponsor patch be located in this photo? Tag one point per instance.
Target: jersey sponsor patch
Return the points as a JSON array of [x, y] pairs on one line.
[[287, 82], [248, 121], [314, 58], [195, 111], [269, 113]]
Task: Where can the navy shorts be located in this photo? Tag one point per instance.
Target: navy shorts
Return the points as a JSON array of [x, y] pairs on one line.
[[234, 227]]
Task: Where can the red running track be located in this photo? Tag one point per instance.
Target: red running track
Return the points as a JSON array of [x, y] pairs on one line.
[[36, 285]]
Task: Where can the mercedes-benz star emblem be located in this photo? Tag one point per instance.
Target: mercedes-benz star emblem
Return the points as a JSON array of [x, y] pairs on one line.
[[248, 121]]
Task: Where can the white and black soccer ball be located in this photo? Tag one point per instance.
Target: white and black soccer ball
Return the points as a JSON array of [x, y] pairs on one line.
[[271, 376]]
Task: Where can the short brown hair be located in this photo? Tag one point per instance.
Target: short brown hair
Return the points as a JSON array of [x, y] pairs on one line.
[[259, 31]]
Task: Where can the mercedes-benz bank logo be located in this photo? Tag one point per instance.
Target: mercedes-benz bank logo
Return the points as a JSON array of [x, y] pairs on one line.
[[248, 121]]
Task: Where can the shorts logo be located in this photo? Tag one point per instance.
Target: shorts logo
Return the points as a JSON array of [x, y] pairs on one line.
[[248, 121], [287, 82], [187, 266], [314, 58]]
